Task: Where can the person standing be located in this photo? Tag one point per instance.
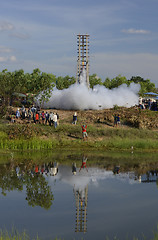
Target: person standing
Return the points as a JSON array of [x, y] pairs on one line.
[[115, 120], [37, 117], [51, 119], [47, 118], [55, 120], [84, 132], [118, 119], [18, 113], [33, 110], [43, 116], [29, 114], [74, 118]]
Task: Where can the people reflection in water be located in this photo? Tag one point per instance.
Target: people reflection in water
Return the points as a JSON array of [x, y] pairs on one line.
[[84, 160], [74, 168], [116, 170], [53, 168]]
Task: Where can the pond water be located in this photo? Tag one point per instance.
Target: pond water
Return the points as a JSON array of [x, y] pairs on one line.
[[79, 201]]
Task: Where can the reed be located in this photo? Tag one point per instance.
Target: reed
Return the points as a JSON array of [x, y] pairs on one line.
[[70, 136]]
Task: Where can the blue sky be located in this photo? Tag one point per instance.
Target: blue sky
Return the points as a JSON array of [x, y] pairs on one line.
[[43, 34]]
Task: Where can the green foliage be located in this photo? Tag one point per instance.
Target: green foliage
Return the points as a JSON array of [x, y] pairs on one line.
[[115, 82], [94, 80], [146, 85], [64, 82]]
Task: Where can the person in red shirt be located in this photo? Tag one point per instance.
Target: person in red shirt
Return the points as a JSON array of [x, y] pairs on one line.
[[37, 117], [84, 160], [43, 116], [84, 132]]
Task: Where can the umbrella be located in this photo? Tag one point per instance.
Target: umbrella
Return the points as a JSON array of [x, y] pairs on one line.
[[151, 93], [19, 94]]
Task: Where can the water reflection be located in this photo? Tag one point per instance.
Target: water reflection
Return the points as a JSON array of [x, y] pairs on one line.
[[38, 192], [38, 179], [81, 199]]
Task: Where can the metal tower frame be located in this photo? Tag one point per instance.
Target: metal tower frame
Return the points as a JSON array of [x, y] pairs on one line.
[[83, 58]]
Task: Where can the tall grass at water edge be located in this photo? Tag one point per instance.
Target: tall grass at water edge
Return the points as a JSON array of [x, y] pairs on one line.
[[68, 136], [107, 144]]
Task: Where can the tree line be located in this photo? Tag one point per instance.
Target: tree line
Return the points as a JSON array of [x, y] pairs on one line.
[[37, 82]]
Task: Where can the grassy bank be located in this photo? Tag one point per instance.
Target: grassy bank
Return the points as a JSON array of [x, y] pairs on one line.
[[4, 235], [68, 136]]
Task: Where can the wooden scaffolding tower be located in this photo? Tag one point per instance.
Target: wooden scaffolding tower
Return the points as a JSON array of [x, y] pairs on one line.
[[83, 57]]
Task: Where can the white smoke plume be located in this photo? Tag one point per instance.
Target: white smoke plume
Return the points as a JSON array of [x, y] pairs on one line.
[[79, 97]]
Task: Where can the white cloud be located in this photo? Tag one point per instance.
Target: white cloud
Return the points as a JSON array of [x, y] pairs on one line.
[[6, 26], [5, 49], [8, 59], [135, 31], [20, 35], [12, 58]]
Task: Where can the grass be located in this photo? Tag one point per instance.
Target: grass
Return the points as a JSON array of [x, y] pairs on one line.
[[14, 235], [39, 137]]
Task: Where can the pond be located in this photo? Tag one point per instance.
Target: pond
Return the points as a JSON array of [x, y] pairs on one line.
[[80, 198]]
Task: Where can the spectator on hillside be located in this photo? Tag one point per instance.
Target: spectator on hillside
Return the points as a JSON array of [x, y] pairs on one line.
[[115, 120], [55, 120], [74, 118], [118, 119], [84, 132], [43, 116], [51, 118], [37, 117], [18, 113], [47, 118], [23, 112], [29, 114]]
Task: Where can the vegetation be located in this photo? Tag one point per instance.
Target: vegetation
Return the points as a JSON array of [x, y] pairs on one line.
[[14, 235], [42, 83], [66, 135]]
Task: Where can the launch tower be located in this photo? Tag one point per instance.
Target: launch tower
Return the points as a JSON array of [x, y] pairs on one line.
[[82, 60]]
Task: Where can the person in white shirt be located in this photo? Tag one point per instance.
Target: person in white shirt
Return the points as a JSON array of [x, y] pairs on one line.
[[55, 120]]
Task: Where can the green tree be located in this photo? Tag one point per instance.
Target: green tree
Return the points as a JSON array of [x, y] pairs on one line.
[[94, 80], [107, 83], [146, 85], [64, 82], [117, 81], [10, 83]]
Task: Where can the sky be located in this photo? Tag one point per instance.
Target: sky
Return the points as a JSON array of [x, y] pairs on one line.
[[43, 34]]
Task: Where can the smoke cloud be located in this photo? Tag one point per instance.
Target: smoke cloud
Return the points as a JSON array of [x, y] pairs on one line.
[[79, 97]]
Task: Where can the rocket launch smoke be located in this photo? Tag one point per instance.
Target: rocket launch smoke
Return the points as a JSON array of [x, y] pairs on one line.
[[79, 97]]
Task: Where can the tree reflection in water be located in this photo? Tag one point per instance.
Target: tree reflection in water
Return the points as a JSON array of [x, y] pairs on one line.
[[38, 192]]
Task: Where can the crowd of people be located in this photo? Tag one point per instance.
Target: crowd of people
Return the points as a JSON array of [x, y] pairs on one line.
[[34, 114], [150, 104]]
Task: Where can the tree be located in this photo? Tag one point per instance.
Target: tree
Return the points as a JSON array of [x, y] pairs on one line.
[[117, 81], [107, 83], [64, 82], [146, 85], [10, 83], [94, 80]]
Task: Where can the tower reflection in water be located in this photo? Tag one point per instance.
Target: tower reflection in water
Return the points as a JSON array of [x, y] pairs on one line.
[[81, 198]]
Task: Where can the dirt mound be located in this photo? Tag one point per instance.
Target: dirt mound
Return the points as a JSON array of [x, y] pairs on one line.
[[132, 117]]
